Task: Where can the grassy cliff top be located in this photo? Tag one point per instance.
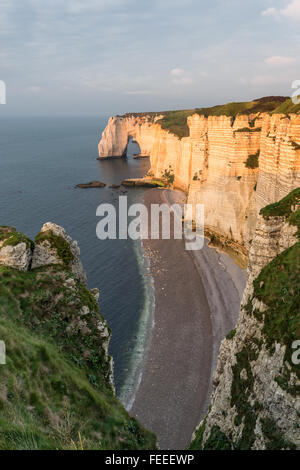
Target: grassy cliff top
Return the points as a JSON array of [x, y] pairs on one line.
[[176, 121], [9, 236], [284, 207], [287, 107], [55, 383]]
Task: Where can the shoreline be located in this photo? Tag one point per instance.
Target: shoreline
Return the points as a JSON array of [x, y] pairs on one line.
[[174, 386], [144, 331]]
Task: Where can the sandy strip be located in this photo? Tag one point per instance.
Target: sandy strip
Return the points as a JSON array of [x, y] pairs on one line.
[[197, 298]]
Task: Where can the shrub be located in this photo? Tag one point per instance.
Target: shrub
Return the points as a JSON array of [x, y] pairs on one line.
[[252, 161]]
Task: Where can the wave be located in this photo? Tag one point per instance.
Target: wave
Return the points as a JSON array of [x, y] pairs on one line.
[[145, 326]]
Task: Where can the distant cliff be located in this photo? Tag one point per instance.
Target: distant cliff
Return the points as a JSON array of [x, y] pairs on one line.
[[242, 161], [234, 164]]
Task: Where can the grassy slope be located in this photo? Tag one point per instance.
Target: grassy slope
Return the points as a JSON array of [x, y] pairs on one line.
[[287, 107], [55, 383], [176, 121]]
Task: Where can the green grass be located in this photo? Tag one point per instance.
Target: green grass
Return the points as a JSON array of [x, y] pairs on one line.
[[231, 334], [241, 389], [159, 184], [260, 105], [273, 436], [197, 442], [294, 219], [176, 121], [10, 237], [217, 440], [282, 208], [56, 380], [39, 300], [278, 287], [59, 243], [287, 107]]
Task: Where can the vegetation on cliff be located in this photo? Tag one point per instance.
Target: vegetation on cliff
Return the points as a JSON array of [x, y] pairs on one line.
[[61, 246], [252, 161], [10, 237], [176, 121], [55, 388], [260, 105], [284, 207], [277, 324], [287, 107]]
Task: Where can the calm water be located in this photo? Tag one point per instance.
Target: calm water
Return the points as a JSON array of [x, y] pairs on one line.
[[41, 160]]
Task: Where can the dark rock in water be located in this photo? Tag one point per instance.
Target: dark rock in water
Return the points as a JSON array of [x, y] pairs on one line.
[[111, 157], [114, 186], [144, 182], [92, 184], [138, 156]]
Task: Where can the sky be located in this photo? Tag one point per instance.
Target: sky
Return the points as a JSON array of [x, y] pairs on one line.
[[103, 57]]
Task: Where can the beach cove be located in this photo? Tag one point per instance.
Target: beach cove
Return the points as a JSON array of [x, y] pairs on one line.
[[197, 299]]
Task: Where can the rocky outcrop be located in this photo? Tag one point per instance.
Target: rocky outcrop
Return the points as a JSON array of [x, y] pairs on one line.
[[56, 389], [118, 132], [54, 246], [256, 403], [233, 166], [15, 249], [91, 184]]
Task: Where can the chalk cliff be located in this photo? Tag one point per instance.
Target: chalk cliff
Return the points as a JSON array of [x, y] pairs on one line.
[[245, 169], [233, 165], [256, 400]]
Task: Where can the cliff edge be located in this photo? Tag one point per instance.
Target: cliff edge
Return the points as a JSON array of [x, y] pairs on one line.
[[235, 159], [256, 400], [56, 388]]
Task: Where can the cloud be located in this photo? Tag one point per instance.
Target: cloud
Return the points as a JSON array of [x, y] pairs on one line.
[[180, 77], [177, 72], [291, 11], [271, 12], [279, 60]]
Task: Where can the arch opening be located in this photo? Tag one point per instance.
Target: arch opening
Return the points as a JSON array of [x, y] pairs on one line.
[[133, 149]]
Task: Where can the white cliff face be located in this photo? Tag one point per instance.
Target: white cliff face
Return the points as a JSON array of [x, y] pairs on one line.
[[17, 257], [15, 249], [44, 253], [271, 237], [210, 164], [279, 167], [250, 409], [118, 131]]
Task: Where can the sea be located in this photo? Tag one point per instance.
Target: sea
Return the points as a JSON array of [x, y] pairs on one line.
[[41, 161]]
